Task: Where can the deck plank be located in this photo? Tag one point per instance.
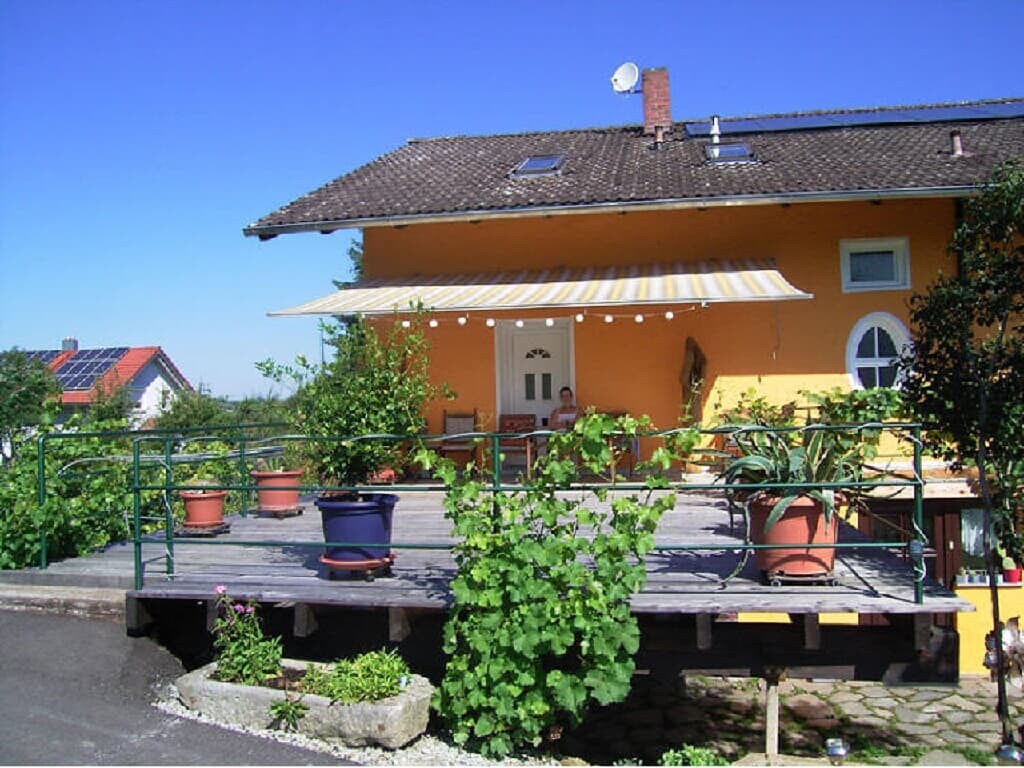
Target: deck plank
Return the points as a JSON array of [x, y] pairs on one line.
[[872, 581]]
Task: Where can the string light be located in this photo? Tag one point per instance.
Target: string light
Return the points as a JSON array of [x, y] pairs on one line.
[[579, 317]]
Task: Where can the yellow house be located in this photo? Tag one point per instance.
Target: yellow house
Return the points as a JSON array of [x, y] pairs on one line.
[[629, 262]]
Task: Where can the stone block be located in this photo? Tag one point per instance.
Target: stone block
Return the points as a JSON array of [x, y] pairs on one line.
[[390, 723]]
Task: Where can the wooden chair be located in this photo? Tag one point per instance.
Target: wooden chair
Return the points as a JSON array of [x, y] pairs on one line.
[[518, 422], [457, 424]]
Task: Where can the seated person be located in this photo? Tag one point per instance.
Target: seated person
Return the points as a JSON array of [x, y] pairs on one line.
[[565, 415]]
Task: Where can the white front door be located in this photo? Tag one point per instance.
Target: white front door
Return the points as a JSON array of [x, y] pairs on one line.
[[534, 362]]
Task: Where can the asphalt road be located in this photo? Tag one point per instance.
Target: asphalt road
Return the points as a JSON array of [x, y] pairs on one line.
[[79, 691]]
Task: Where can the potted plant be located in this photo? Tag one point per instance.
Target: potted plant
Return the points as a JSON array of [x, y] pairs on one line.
[[273, 493], [204, 503], [376, 384], [794, 515], [1011, 571]]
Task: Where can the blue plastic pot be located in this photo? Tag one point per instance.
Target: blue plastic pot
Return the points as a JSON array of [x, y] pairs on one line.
[[354, 522]]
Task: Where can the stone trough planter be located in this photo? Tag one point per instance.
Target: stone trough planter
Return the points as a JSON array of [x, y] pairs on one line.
[[390, 723]]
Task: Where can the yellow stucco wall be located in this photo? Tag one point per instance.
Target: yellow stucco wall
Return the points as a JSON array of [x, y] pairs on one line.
[[974, 626], [778, 347]]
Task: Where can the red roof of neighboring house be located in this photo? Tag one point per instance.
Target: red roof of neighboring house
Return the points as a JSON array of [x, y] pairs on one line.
[[123, 371]]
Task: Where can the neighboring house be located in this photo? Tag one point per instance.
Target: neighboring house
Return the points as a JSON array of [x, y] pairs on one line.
[[635, 263], [147, 372]]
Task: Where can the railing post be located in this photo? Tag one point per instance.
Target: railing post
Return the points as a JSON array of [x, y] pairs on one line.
[[136, 515], [917, 544], [496, 475], [168, 511], [43, 538], [242, 474]]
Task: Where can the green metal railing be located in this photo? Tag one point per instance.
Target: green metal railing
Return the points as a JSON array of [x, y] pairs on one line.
[[238, 433], [914, 547]]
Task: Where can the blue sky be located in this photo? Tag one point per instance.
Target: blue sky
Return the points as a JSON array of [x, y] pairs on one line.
[[138, 138]]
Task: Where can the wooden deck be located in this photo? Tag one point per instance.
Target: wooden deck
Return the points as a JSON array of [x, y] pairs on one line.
[[872, 581]]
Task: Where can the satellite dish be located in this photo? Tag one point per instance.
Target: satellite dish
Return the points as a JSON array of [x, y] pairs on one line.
[[625, 77]]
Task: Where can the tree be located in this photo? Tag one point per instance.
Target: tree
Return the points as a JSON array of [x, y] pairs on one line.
[[111, 402], [355, 255], [964, 376], [28, 395]]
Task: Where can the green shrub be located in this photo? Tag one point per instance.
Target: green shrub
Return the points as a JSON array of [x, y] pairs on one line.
[[368, 677], [689, 755], [541, 624]]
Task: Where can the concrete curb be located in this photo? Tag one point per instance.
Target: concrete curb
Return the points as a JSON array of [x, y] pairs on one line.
[[76, 601]]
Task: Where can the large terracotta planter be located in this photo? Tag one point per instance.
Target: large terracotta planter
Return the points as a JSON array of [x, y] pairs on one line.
[[268, 496], [203, 509], [803, 523]]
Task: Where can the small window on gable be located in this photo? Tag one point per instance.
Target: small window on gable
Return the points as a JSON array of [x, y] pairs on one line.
[[873, 350], [729, 152], [880, 264], [539, 165]]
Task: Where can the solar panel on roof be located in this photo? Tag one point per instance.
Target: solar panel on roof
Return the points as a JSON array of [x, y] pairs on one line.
[[44, 355], [87, 365], [948, 113]]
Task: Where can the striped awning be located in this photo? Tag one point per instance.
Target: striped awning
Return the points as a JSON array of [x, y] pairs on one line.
[[677, 283]]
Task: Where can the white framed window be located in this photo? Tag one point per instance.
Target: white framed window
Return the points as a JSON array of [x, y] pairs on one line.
[[873, 350], [875, 264]]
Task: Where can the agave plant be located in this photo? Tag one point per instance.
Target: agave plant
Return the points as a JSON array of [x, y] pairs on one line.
[[773, 458]]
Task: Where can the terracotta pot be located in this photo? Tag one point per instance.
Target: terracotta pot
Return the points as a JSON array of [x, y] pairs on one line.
[[1012, 575], [803, 523], [269, 499], [203, 509]]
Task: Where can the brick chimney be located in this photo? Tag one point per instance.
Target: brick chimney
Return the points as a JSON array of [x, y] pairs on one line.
[[657, 105], [70, 344]]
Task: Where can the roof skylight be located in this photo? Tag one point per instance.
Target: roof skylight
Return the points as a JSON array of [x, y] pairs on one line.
[[539, 165], [730, 152]]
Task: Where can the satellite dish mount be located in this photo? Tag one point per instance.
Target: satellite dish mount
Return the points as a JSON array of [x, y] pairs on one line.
[[625, 78]]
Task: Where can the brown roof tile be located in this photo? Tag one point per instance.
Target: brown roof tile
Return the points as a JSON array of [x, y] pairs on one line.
[[463, 174]]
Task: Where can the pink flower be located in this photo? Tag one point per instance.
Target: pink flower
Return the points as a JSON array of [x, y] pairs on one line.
[[239, 608], [250, 609], [220, 589]]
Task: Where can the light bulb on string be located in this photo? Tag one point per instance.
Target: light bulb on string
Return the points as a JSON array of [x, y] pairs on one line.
[[608, 318], [490, 322], [639, 318], [433, 323], [520, 323], [462, 320], [406, 323], [669, 315], [549, 322], [579, 317]]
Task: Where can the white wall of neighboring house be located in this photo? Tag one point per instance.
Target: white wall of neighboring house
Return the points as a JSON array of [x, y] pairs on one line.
[[148, 389]]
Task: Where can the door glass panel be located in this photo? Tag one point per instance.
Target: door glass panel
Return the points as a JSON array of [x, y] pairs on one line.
[[868, 377], [545, 386], [531, 387]]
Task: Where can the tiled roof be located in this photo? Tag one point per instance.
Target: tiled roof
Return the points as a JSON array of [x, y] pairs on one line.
[[127, 367], [608, 166]]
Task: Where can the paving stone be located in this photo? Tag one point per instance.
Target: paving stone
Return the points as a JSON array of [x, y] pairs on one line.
[[878, 722], [916, 730], [908, 715], [938, 707], [958, 716], [958, 701], [844, 697], [943, 757], [808, 706], [929, 694], [878, 692], [856, 710]]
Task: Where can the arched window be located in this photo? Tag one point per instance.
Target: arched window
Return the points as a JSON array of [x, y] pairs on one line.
[[873, 350]]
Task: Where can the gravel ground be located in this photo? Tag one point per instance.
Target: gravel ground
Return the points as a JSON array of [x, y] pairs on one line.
[[426, 750]]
